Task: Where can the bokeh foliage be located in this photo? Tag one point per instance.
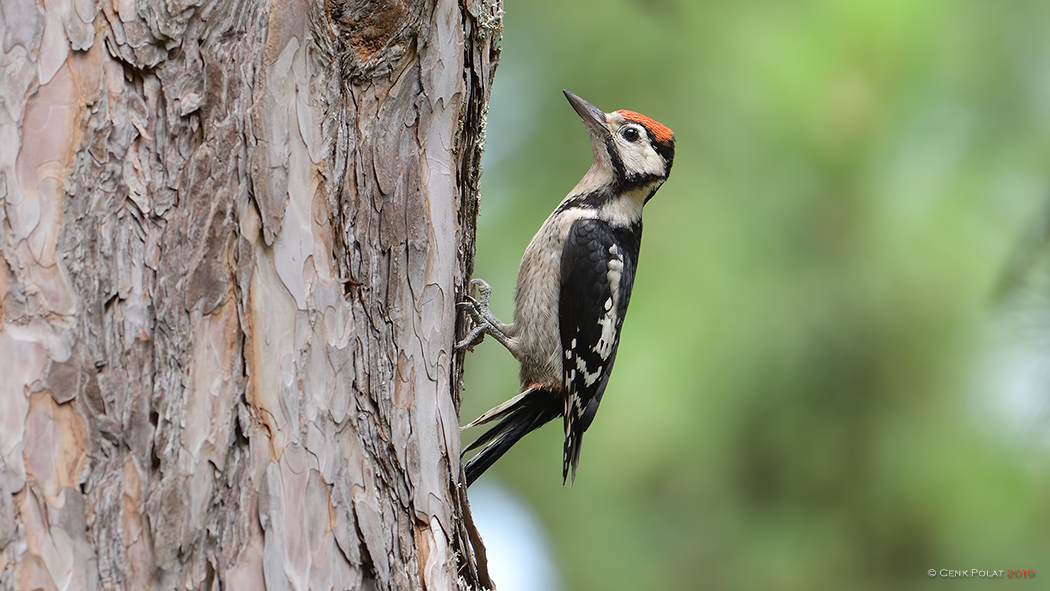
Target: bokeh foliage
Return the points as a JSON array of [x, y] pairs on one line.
[[793, 401]]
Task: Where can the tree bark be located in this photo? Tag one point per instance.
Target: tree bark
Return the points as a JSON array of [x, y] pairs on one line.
[[233, 234]]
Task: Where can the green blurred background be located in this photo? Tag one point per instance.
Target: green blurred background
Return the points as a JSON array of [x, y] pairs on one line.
[[800, 399]]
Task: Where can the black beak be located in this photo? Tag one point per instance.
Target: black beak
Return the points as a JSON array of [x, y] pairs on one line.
[[593, 117]]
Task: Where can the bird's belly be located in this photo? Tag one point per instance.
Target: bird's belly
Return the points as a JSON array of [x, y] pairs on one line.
[[536, 314]]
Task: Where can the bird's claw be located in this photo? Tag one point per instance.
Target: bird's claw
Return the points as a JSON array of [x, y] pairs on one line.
[[478, 322], [473, 338], [484, 291], [481, 318]]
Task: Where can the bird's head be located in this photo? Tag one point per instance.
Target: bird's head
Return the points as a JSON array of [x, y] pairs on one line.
[[631, 151]]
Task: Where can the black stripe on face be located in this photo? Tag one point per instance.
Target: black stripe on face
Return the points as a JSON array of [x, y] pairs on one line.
[[637, 181], [619, 170]]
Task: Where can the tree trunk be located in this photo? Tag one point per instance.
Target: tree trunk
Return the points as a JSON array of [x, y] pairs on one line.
[[233, 234]]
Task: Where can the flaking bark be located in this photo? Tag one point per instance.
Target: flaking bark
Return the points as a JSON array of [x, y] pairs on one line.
[[232, 236]]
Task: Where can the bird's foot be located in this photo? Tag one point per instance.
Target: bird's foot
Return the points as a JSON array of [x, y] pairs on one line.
[[482, 319]]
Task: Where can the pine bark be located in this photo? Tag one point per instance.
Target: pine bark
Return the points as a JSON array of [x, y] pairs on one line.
[[232, 236]]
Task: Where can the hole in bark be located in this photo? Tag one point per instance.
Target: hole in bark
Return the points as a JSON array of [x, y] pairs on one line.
[[154, 418], [155, 460], [209, 575], [238, 431]]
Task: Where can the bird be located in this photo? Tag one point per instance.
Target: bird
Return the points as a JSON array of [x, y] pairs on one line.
[[574, 284]]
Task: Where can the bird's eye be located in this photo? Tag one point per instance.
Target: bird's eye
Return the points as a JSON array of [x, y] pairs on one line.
[[630, 134]]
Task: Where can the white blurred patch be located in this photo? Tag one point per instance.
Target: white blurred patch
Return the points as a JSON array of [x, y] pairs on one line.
[[1013, 377], [518, 550]]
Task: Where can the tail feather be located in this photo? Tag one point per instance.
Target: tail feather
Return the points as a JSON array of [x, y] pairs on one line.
[[571, 455], [519, 416], [495, 412]]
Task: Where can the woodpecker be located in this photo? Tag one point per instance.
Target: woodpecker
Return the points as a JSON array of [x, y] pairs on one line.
[[574, 283]]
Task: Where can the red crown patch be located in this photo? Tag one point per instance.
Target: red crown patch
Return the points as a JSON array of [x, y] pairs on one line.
[[659, 131]]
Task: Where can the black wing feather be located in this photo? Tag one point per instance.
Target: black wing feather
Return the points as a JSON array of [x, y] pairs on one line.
[[597, 274]]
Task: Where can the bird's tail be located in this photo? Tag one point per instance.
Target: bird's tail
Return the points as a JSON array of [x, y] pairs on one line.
[[518, 416]]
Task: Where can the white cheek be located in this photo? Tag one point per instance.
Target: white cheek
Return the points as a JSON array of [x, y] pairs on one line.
[[642, 159]]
